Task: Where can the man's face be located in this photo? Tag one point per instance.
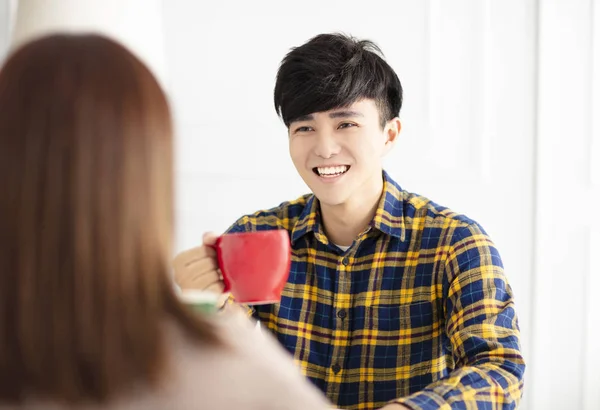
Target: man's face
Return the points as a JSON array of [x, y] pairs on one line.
[[338, 153]]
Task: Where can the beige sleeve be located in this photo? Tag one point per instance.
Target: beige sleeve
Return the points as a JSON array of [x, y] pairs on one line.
[[253, 372]]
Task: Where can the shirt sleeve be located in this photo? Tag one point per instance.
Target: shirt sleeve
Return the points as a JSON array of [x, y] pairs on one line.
[[250, 370], [241, 225], [482, 327]]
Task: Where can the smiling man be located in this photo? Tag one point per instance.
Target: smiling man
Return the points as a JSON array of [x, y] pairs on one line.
[[392, 301], [339, 157]]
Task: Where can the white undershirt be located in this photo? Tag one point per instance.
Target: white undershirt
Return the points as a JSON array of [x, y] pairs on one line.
[[344, 248]]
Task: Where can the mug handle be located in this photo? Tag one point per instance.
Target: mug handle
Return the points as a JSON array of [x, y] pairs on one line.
[[217, 248]]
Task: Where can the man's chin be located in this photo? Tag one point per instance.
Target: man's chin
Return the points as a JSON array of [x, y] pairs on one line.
[[328, 199]]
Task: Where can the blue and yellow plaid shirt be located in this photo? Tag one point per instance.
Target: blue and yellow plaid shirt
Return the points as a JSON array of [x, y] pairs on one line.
[[417, 311]]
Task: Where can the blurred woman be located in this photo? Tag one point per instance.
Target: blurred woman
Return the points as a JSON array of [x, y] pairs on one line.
[[88, 316]]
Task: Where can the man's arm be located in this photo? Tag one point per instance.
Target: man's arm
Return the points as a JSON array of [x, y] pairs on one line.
[[481, 325]]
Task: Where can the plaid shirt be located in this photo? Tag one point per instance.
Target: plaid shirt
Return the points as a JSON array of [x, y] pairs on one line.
[[417, 311]]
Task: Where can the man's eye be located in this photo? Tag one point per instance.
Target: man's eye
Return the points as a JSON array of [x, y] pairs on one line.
[[346, 125], [303, 129]]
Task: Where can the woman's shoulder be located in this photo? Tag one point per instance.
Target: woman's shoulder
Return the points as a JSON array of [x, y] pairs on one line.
[[248, 370]]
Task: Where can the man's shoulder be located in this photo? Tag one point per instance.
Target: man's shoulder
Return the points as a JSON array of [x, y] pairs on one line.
[[465, 240], [283, 216], [421, 211]]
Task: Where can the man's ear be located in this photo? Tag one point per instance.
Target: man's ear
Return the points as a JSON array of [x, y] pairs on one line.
[[391, 132]]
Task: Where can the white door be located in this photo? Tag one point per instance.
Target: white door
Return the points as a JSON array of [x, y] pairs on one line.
[[567, 239]]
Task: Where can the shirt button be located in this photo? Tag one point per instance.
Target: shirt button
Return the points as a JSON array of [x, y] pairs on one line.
[[341, 314], [336, 368], [345, 261]]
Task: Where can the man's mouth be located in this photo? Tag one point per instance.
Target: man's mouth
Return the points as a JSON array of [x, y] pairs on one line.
[[331, 172]]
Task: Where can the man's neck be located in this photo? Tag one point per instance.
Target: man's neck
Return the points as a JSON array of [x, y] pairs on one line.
[[343, 223]]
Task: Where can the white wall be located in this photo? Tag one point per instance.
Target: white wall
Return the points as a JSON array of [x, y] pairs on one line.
[[136, 23], [566, 278], [4, 27]]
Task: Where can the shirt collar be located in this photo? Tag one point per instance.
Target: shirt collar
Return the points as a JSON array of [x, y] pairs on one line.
[[309, 221], [389, 216]]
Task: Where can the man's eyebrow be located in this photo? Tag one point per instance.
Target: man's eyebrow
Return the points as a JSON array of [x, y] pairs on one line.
[[345, 114], [334, 114], [308, 117]]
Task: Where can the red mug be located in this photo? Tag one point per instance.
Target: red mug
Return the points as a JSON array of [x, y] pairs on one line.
[[255, 265]]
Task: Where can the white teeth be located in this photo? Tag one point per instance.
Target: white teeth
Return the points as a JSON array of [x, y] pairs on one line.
[[332, 171]]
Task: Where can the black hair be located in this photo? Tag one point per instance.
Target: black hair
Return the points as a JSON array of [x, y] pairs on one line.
[[333, 71]]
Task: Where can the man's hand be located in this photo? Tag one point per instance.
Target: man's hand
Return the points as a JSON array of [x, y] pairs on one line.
[[395, 406], [197, 268]]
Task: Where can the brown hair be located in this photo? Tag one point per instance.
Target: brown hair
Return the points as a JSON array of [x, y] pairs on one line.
[[86, 218]]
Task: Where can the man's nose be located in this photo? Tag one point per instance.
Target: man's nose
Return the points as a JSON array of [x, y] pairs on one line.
[[326, 146]]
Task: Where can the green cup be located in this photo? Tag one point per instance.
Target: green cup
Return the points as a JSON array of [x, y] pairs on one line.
[[200, 301]]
